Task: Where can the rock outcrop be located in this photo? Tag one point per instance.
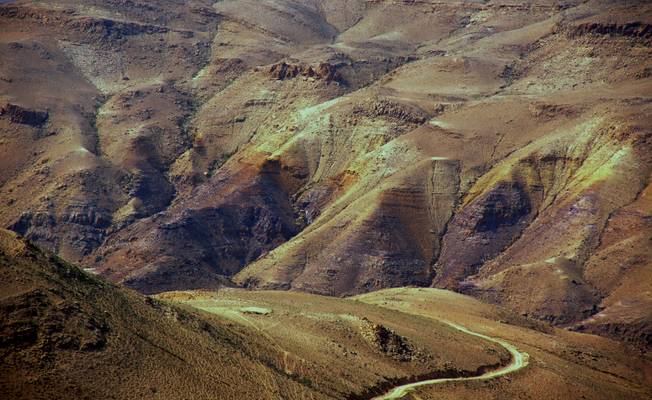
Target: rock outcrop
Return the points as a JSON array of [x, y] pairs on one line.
[[21, 115], [636, 30], [387, 341], [322, 71]]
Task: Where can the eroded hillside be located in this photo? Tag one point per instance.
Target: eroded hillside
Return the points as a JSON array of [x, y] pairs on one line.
[[497, 148]]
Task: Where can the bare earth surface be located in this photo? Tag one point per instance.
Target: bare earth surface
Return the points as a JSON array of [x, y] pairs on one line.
[[64, 331], [313, 191], [558, 363], [497, 148]]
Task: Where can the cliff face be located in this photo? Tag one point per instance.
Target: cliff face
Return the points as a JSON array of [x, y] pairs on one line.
[[339, 147]]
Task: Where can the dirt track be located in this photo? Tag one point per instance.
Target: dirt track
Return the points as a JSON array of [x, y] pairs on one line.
[[519, 360]]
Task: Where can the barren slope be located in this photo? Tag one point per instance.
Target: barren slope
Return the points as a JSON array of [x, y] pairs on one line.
[[409, 335], [348, 349], [561, 364], [497, 148], [64, 333]]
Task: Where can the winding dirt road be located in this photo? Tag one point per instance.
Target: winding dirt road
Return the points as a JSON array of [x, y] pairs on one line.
[[519, 360]]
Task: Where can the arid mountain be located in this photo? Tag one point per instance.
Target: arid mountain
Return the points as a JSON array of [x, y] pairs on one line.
[[67, 334], [498, 148]]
